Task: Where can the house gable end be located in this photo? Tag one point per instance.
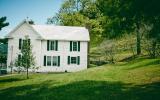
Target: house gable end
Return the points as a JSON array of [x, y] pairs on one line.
[[10, 34]]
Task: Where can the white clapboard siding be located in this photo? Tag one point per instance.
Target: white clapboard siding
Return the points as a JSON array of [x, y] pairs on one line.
[[39, 46]]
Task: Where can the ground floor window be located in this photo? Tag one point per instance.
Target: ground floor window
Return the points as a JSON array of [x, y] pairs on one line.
[[51, 60], [55, 60], [48, 60], [74, 60]]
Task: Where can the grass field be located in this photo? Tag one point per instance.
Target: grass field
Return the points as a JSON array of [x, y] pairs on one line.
[[135, 80]]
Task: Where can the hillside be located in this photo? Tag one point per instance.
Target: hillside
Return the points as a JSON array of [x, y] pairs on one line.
[[135, 80]]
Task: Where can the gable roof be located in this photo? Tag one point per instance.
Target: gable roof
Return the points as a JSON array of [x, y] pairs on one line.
[[19, 25], [62, 32], [52, 32]]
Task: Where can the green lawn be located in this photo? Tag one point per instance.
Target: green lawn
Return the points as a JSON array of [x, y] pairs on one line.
[[135, 80]]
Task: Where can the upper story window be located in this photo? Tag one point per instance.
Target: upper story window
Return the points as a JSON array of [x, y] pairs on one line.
[[52, 45], [21, 41], [74, 45]]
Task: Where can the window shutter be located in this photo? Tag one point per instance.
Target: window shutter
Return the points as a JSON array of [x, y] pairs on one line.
[[78, 45], [47, 45], [20, 43], [78, 60], [58, 60], [70, 45], [68, 60], [44, 61], [56, 45], [29, 41], [52, 45]]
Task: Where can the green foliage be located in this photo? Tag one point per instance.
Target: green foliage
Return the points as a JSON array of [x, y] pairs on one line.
[[3, 51], [128, 16], [80, 13], [27, 59], [18, 64], [112, 18], [3, 23], [27, 56]]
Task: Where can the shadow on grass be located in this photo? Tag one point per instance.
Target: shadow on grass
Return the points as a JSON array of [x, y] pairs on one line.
[[141, 63], [83, 90], [10, 80], [128, 59]]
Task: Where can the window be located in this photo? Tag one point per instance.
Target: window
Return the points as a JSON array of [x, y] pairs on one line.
[[44, 62], [48, 60], [51, 60], [29, 41], [21, 41], [55, 61], [52, 45], [74, 46], [74, 60]]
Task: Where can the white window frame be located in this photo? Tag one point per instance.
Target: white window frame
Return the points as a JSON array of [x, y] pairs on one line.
[[54, 60], [50, 44], [75, 62], [50, 60]]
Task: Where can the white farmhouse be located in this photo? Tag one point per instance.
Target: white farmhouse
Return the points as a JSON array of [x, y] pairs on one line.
[[55, 48]]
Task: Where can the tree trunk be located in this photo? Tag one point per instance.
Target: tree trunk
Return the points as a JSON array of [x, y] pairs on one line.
[[18, 70], [27, 73], [154, 49], [138, 40], [11, 69]]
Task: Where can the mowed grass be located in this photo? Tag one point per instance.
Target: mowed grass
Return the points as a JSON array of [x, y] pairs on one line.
[[135, 80]]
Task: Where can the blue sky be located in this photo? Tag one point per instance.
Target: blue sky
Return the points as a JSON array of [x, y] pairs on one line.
[[18, 10]]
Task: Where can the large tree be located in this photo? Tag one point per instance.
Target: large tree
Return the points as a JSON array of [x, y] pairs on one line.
[[122, 16], [127, 16], [152, 17], [80, 13], [3, 22]]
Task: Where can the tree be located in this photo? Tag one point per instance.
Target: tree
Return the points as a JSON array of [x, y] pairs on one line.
[[27, 59], [154, 37], [18, 64], [3, 42], [110, 51], [3, 52], [123, 16], [80, 13], [3, 23], [127, 16]]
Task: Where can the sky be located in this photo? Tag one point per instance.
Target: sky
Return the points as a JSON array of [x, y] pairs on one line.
[[18, 10]]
